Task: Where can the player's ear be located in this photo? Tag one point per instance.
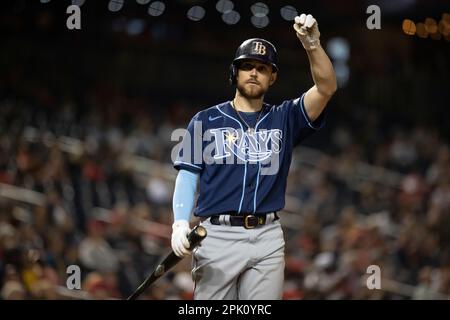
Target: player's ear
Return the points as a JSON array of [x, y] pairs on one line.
[[273, 78]]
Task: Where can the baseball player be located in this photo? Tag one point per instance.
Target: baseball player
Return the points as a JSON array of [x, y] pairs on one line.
[[236, 157]]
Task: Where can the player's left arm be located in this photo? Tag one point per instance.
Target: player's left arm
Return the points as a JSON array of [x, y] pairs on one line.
[[325, 85]]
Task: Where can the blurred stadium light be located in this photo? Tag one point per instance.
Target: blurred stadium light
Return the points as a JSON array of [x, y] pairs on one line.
[[224, 6], [156, 8], [260, 21], [260, 9], [231, 17], [115, 5], [288, 13], [196, 13], [339, 50]]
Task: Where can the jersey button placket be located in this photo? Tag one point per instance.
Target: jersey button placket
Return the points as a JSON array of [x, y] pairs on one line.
[[252, 171]]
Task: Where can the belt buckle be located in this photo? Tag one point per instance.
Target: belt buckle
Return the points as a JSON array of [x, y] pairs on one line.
[[254, 219]]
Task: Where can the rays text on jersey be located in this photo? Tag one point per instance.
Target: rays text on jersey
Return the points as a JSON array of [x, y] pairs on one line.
[[227, 145]]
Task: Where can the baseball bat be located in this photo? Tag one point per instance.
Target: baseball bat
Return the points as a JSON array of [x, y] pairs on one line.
[[195, 237]]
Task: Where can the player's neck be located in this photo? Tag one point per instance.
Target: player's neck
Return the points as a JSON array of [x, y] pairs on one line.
[[247, 105]]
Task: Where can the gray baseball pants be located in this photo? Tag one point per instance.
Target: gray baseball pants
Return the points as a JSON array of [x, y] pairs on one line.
[[234, 263]]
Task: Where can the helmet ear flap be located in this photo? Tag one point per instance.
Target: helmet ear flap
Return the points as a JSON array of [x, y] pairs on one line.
[[233, 74]]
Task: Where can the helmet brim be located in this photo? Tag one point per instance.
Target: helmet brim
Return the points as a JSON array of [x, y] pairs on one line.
[[257, 58]]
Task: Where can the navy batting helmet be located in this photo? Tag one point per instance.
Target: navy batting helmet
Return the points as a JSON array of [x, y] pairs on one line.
[[257, 49]]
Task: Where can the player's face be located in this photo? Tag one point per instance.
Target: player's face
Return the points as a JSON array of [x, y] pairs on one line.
[[254, 78]]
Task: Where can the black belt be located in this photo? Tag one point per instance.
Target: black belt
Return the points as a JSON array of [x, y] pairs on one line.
[[248, 221]]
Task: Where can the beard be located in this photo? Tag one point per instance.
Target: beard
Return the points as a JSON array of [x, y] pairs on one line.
[[250, 92]]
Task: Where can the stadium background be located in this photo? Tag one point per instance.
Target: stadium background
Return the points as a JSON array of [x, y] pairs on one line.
[[85, 151]]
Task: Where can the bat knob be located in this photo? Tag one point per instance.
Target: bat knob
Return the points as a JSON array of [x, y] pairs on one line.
[[200, 231], [196, 236]]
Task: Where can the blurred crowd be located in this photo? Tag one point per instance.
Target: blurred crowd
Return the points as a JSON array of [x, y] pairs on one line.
[[400, 223], [99, 213]]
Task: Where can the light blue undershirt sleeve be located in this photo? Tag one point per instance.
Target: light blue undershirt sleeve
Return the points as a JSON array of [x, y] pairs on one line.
[[184, 194]]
